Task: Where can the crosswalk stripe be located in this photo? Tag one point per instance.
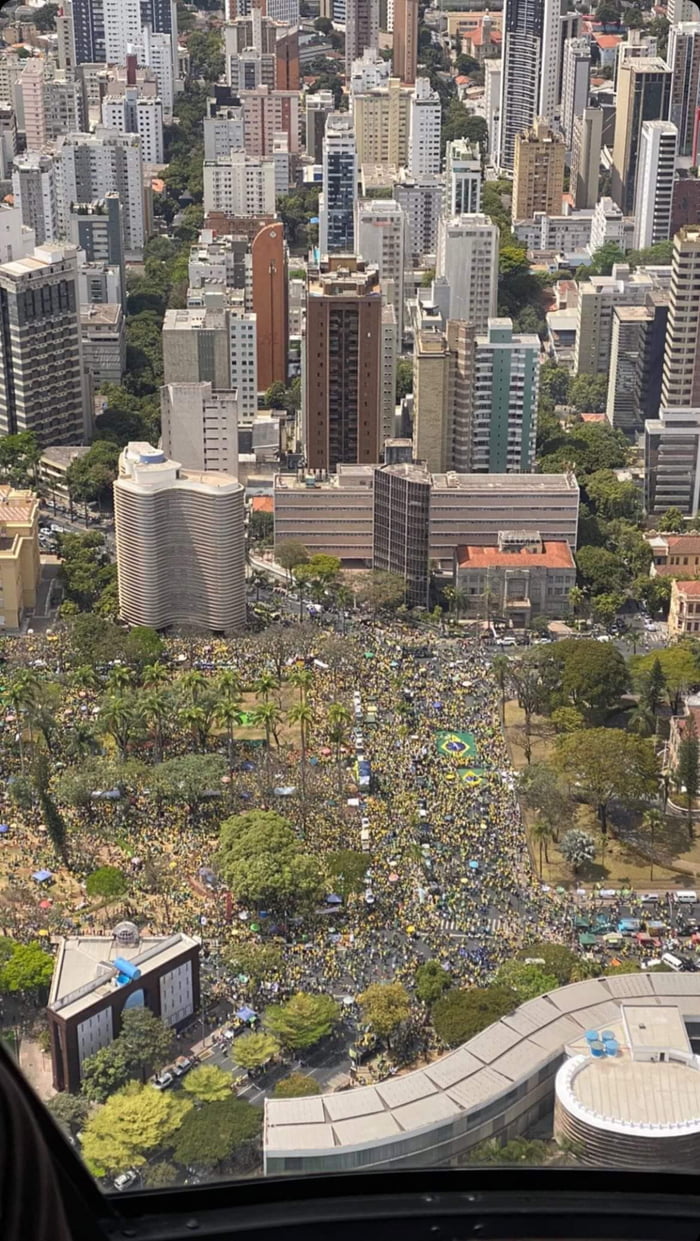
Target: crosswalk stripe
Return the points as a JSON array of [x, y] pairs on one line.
[[454, 926]]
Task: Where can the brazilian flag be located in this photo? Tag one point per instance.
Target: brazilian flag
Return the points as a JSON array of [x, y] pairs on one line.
[[456, 745], [471, 776]]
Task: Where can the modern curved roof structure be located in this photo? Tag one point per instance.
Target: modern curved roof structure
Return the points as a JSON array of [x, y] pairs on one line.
[[498, 1078]]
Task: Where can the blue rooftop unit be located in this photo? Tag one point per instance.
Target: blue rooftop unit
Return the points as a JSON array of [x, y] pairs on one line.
[[127, 971]]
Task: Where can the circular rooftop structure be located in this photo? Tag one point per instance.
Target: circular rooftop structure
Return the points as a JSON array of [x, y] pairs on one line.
[[126, 935], [628, 1113]]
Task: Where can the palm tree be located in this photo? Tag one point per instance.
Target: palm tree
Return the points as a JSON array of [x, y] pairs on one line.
[[85, 677], [256, 580], [265, 684], [120, 678], [22, 696], [267, 715], [198, 721], [576, 599], [228, 714], [119, 718], [154, 675], [157, 707], [301, 679], [81, 740], [653, 821], [303, 715], [642, 720], [192, 683], [542, 833], [228, 683], [501, 669], [338, 721]]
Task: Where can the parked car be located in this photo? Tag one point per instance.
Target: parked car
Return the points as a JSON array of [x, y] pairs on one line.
[[183, 1064], [163, 1080], [126, 1180]]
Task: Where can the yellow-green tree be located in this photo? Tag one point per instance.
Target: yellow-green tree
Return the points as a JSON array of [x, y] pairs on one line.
[[207, 1083], [132, 1123]]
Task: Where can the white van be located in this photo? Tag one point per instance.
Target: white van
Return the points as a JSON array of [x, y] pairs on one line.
[[687, 898], [674, 963]]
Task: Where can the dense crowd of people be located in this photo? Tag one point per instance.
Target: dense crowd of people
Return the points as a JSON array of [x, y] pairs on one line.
[[449, 874]]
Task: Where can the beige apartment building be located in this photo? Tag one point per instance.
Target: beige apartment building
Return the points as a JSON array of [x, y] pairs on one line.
[[680, 385], [538, 180], [179, 542], [643, 94], [381, 118], [443, 370], [19, 555]]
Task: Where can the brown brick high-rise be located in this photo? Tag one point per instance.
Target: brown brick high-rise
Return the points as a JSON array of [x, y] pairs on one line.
[[343, 367], [270, 304]]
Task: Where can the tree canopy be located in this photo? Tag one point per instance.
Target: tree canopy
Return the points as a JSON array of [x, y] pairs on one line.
[[459, 1015], [303, 1020], [384, 1006], [132, 1123], [263, 863], [606, 763]]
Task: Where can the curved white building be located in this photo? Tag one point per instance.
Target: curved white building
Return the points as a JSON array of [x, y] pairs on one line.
[[180, 543], [502, 1082]]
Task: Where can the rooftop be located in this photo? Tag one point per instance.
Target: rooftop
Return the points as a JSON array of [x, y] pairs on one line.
[[690, 589], [552, 556], [659, 1026], [639, 1092], [100, 314], [490, 1065], [85, 971]]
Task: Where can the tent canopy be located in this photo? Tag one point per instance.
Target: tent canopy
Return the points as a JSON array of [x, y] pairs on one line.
[[42, 876]]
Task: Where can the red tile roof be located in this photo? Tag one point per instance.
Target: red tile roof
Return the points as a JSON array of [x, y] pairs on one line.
[[683, 543], [691, 588], [594, 418], [553, 556], [262, 504], [606, 41]]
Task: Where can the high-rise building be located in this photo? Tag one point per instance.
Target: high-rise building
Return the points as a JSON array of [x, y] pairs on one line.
[[269, 298], [35, 193], [422, 200], [222, 262], [644, 95], [283, 11], [576, 78], [405, 52], [504, 408], [382, 119], [597, 299], [538, 180], [639, 45], [16, 240], [243, 359], [267, 113], [8, 140], [402, 497], [196, 347], [64, 104], [493, 72], [336, 233], [443, 382], [466, 274], [680, 385], [361, 29], [135, 107], [97, 228], [103, 335], [368, 71], [681, 11], [158, 56], [200, 427], [672, 460], [180, 543], [342, 368], [629, 327], [42, 385], [318, 107], [684, 59], [586, 148], [523, 28], [89, 166], [462, 178], [31, 88], [425, 120], [242, 185], [656, 172], [380, 236], [224, 132]]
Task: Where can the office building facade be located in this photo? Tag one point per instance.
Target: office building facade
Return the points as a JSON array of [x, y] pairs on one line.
[[644, 94], [42, 384], [684, 59], [576, 78], [462, 178], [337, 199], [504, 402], [672, 461], [425, 121], [405, 31], [655, 178]]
